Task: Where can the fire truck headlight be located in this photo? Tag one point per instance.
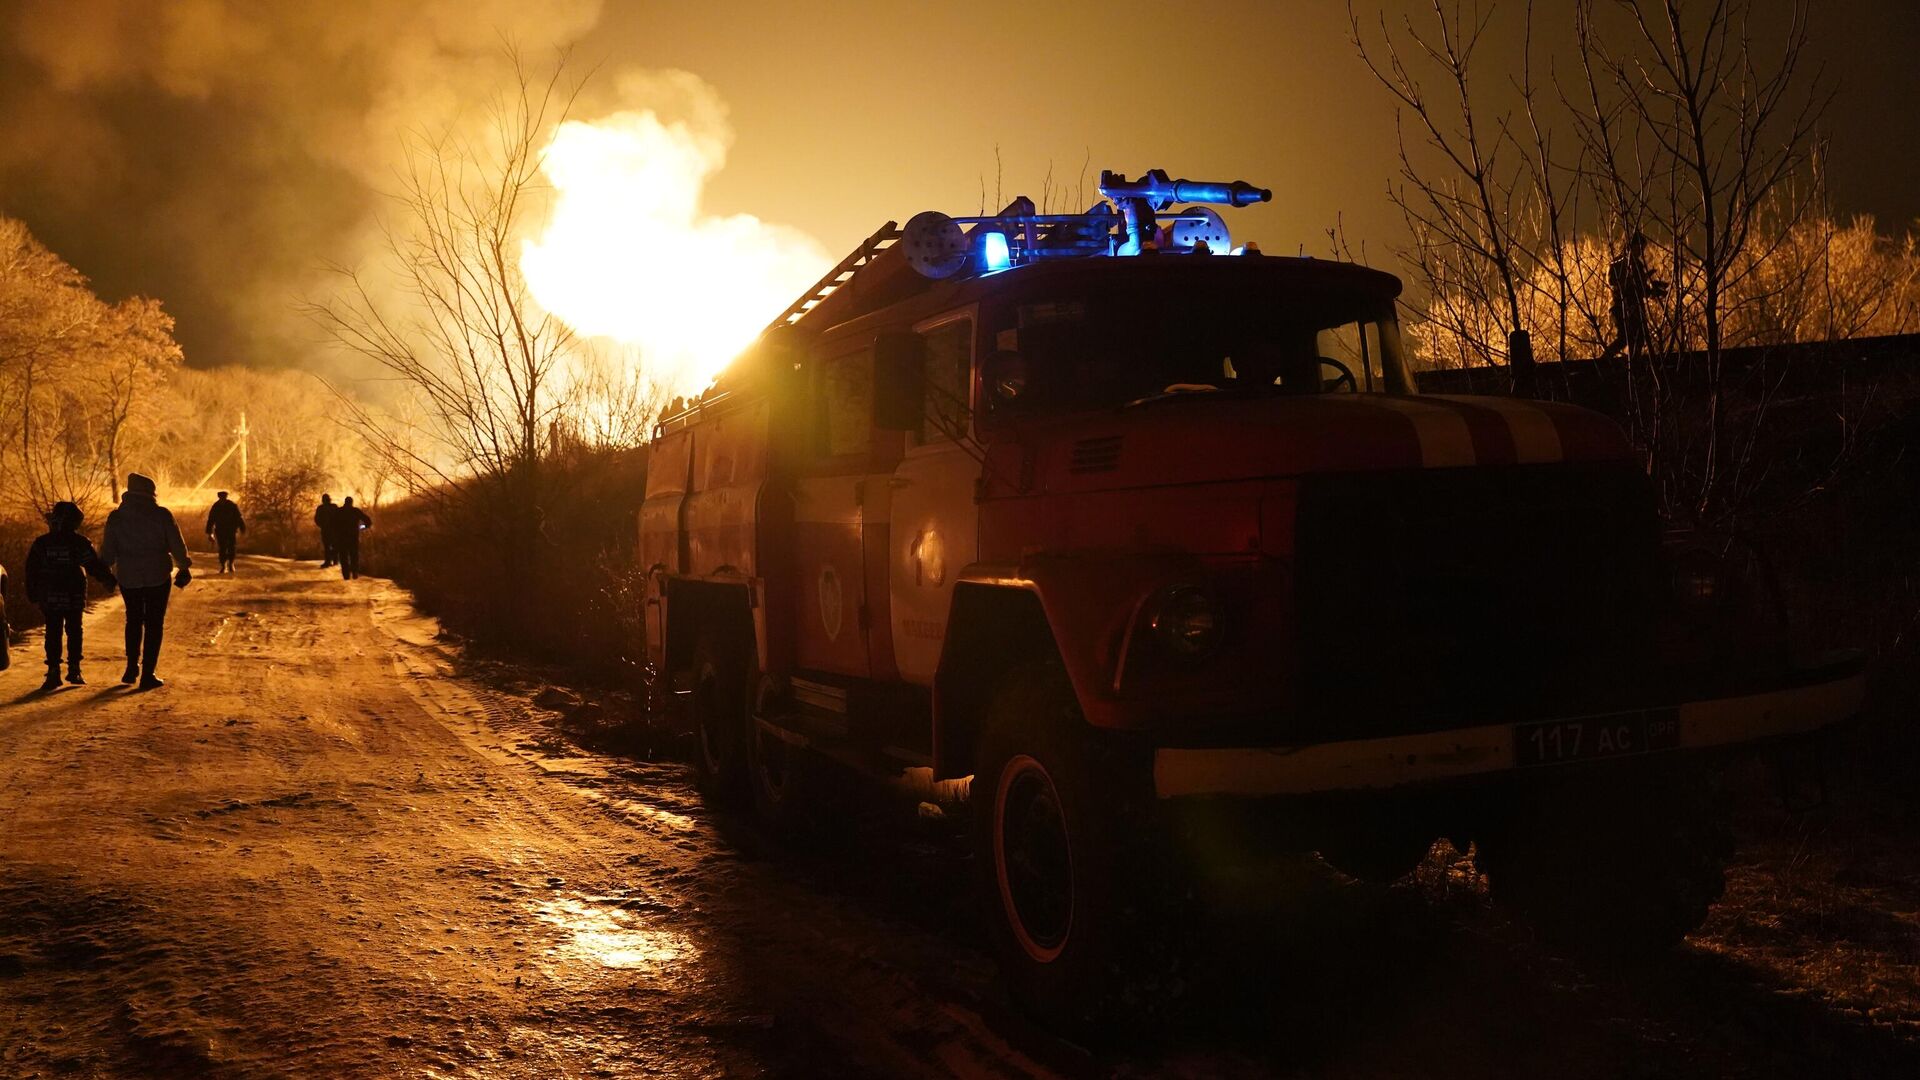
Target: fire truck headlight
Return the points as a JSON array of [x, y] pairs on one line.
[[1699, 581], [1186, 622], [1697, 586]]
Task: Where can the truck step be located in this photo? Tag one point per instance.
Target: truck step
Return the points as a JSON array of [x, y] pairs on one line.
[[819, 696], [829, 740]]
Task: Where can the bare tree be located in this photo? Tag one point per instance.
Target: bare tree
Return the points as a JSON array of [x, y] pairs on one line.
[[1691, 121], [1462, 216], [462, 335], [490, 388], [141, 358], [278, 498], [611, 401], [1696, 126]]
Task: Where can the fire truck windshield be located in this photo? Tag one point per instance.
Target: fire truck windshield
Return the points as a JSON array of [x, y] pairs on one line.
[[1119, 347]]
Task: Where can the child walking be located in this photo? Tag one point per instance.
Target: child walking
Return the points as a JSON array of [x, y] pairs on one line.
[[57, 569]]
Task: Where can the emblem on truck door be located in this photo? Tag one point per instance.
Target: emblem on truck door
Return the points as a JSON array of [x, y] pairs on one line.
[[831, 605]]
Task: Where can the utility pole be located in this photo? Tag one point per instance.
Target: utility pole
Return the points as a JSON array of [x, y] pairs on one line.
[[242, 432]]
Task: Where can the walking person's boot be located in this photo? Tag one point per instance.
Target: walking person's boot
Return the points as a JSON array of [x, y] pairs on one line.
[[73, 675], [53, 679], [131, 675], [150, 659]]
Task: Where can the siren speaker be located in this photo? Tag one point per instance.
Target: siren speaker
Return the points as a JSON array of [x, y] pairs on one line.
[[934, 245]]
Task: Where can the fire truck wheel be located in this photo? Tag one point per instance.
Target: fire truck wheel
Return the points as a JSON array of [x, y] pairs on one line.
[[1077, 900], [786, 782], [1621, 873], [720, 719]]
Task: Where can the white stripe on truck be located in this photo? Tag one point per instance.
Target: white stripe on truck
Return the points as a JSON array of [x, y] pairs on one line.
[[1445, 441], [1370, 764], [1536, 438]]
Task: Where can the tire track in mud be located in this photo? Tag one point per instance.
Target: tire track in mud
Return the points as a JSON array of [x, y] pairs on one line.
[[806, 952]]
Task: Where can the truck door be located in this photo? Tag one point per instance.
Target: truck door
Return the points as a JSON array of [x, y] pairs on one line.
[[829, 494], [933, 522]]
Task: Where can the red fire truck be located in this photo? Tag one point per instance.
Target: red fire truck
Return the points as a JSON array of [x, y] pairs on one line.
[[1145, 533]]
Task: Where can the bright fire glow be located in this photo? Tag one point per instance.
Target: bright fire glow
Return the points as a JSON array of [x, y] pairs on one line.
[[629, 255]]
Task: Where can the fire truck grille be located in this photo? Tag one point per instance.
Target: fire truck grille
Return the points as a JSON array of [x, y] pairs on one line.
[[1436, 597], [1098, 454]]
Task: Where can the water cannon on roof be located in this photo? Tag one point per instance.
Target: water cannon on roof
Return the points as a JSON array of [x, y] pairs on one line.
[[1155, 214], [1141, 201], [1160, 192]]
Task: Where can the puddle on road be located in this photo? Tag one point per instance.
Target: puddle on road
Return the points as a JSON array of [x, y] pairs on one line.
[[612, 938]]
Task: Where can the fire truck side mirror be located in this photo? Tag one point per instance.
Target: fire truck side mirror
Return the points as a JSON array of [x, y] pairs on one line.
[[1004, 374], [899, 381]]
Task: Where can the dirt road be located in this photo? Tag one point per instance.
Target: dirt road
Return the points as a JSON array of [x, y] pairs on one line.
[[319, 851]]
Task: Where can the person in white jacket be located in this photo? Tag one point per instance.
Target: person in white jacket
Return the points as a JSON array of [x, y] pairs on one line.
[[144, 546]]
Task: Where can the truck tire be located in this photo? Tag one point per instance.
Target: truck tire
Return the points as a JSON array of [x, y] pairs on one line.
[[790, 794], [1629, 872], [721, 718], [1077, 901]]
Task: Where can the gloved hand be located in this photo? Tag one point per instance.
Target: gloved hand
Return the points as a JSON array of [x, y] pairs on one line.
[[180, 579]]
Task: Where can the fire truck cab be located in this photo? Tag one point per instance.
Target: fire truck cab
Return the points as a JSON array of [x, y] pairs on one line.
[[1144, 532]]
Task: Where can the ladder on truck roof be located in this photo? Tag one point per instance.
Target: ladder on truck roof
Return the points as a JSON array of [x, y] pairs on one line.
[[882, 239]]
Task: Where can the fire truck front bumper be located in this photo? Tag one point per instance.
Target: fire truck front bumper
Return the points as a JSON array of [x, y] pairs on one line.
[[1816, 697]]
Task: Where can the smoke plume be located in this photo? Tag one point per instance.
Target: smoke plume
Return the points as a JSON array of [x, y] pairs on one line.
[[218, 153]]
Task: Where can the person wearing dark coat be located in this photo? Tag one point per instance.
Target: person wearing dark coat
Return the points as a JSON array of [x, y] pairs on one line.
[[1633, 284], [224, 524], [323, 519], [144, 545], [57, 568], [349, 521]]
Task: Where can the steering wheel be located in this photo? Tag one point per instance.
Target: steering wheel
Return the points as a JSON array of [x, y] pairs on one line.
[[1344, 378]]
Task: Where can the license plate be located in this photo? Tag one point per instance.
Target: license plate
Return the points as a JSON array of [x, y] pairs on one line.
[[1585, 738]]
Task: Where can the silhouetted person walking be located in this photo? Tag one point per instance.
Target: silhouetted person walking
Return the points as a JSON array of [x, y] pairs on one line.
[[323, 518], [144, 545], [6, 633], [224, 524], [1633, 285], [349, 522], [57, 568]]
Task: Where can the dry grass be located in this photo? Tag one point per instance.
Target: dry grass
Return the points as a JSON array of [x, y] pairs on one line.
[[1828, 907]]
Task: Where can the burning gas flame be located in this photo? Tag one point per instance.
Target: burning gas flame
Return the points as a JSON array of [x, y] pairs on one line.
[[629, 255]]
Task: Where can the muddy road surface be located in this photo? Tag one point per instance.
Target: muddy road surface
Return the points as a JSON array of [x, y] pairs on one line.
[[322, 851]]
